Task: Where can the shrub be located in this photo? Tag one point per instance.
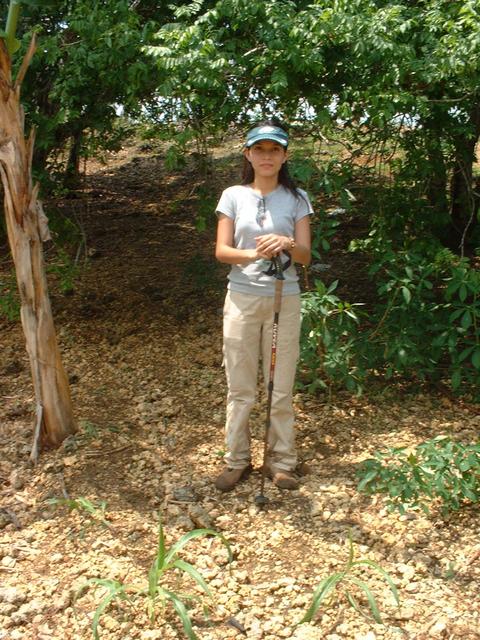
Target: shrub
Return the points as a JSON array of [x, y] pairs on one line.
[[440, 470]]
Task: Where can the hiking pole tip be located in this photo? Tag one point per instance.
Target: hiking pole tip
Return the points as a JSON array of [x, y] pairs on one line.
[[261, 501]]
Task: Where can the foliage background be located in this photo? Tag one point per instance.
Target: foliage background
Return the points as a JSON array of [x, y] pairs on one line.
[[383, 98]]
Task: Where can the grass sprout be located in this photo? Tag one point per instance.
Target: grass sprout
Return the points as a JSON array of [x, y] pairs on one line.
[[345, 585], [83, 505], [156, 592]]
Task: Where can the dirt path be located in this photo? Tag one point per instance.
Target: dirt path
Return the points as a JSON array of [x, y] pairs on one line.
[[141, 340]]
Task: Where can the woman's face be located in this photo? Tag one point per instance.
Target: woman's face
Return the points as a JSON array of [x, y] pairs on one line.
[[266, 158]]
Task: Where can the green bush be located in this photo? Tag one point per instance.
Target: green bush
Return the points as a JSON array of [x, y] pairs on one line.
[[439, 470], [327, 340]]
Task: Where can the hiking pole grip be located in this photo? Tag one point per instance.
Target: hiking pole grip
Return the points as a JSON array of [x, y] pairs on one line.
[[277, 299]]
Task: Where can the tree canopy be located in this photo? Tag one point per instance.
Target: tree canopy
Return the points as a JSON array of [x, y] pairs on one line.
[[393, 81]]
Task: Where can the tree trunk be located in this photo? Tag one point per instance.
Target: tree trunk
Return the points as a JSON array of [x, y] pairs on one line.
[[72, 172], [26, 230], [463, 203], [437, 183]]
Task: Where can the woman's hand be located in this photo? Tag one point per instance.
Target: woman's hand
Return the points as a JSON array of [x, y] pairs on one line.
[[272, 245]]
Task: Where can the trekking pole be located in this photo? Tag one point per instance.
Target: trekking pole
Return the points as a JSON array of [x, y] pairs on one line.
[[277, 271]]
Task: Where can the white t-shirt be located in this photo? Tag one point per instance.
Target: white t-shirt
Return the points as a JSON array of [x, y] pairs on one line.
[[256, 215]]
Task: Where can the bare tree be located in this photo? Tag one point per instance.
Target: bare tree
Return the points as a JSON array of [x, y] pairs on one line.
[[27, 229]]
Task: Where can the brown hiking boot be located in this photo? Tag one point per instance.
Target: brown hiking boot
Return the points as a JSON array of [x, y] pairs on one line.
[[231, 477], [282, 478]]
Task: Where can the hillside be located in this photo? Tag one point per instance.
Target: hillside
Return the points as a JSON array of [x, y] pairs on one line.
[[141, 340]]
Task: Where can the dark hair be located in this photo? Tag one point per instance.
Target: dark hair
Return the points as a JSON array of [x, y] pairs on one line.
[[284, 177]]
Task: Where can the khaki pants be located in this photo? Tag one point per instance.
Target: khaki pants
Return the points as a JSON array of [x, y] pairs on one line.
[[247, 333]]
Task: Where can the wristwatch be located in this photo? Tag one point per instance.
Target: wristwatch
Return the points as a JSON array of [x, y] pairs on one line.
[[292, 243]]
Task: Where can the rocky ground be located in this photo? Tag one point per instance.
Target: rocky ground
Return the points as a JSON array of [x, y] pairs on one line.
[[141, 341]]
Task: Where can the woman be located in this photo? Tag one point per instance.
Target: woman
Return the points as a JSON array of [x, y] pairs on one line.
[[265, 216]]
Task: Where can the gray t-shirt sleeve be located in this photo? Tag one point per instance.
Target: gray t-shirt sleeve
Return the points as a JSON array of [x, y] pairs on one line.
[[304, 206], [227, 204]]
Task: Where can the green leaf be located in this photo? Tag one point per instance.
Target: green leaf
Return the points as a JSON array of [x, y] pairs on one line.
[[153, 576], [332, 287], [353, 602], [465, 353], [456, 379], [466, 321], [407, 296], [476, 358], [161, 543], [321, 592], [372, 603], [193, 573], [115, 589], [182, 614], [197, 533], [385, 574]]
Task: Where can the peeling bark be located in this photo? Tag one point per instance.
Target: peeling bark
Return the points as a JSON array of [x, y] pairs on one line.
[[26, 230]]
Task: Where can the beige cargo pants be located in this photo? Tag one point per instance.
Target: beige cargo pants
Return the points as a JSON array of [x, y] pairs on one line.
[[247, 335]]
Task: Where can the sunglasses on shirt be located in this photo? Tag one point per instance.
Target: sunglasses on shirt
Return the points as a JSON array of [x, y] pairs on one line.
[[261, 212]]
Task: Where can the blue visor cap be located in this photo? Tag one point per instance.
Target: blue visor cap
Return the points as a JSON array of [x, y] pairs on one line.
[[276, 134]]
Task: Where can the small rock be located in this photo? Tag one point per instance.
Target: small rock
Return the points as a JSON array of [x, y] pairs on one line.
[[412, 587], [62, 602], [8, 561], [12, 595], [110, 623], [17, 481], [6, 609], [184, 523], [438, 628], [406, 570], [28, 611], [405, 613], [200, 517], [152, 634]]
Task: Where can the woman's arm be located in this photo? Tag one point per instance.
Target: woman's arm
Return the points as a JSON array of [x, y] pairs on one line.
[[224, 249], [272, 244]]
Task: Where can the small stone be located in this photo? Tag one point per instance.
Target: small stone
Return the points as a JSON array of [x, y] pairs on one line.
[[6, 609], [29, 610], [184, 523], [8, 561], [29, 536], [12, 595], [110, 623], [438, 628], [17, 481], [62, 602], [152, 634], [406, 570], [200, 517], [367, 636], [405, 613]]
